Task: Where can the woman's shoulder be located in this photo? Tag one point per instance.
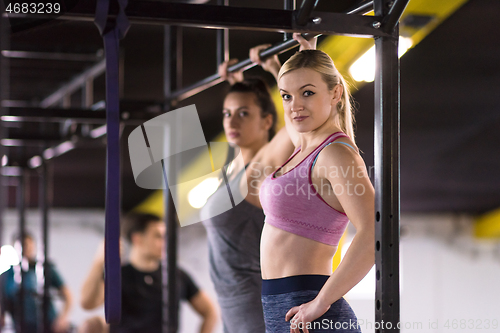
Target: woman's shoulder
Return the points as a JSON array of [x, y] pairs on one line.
[[339, 152], [346, 142]]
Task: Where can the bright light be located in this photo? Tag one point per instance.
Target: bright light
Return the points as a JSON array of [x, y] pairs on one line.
[[404, 45], [198, 196], [365, 289], [8, 257], [97, 132], [11, 118], [35, 162], [64, 147], [48, 153], [98, 106], [5, 160], [363, 69]]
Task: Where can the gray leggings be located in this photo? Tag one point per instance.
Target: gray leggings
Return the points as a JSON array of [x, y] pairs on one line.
[[242, 313], [280, 295]]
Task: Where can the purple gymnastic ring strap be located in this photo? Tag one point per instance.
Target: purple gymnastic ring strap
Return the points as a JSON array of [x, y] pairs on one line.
[[112, 31]]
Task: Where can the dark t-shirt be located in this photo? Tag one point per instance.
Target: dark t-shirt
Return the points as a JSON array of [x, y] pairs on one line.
[[142, 299]]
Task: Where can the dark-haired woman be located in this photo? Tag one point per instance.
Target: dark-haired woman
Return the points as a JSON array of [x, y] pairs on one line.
[[249, 121]]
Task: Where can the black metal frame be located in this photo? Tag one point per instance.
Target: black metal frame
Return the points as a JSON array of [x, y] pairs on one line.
[[172, 54], [218, 17], [288, 5], [304, 14], [4, 95], [21, 210], [44, 202], [222, 40], [387, 164], [382, 27]]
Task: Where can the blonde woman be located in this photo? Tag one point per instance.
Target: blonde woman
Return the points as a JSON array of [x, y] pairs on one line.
[[308, 201]]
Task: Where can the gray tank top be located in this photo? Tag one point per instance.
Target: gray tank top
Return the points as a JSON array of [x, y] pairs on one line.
[[234, 244]]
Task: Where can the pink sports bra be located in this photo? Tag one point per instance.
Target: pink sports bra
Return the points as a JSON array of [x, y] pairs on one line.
[[292, 203]]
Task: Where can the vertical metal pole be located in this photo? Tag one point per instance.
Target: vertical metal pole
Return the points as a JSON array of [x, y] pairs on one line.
[[288, 5], [222, 40], [66, 101], [387, 201], [178, 58], [304, 14], [121, 75], [43, 198], [88, 93], [169, 259], [4, 95], [24, 265]]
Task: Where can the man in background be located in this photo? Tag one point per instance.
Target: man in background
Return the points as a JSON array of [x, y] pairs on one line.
[[58, 323], [142, 282]]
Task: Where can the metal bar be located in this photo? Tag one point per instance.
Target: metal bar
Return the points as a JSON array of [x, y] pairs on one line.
[[169, 260], [43, 198], [6, 103], [288, 5], [40, 135], [50, 56], [87, 101], [35, 114], [11, 171], [66, 101], [363, 7], [4, 95], [392, 18], [217, 17], [21, 201], [88, 96], [222, 40], [74, 84], [215, 79], [121, 75], [178, 58], [305, 11], [6, 142], [387, 164], [212, 80]]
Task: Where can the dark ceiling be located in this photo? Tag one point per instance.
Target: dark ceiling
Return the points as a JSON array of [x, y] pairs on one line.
[[450, 104]]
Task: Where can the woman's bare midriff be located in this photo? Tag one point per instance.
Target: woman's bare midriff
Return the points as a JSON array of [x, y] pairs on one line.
[[285, 254]]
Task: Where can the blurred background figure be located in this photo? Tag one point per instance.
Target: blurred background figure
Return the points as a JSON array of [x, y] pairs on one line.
[[142, 282], [33, 293]]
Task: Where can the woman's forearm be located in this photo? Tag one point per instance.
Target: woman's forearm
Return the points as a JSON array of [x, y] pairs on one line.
[[357, 262], [209, 322]]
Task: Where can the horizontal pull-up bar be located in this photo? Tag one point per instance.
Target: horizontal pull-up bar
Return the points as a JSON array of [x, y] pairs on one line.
[[218, 17], [178, 95], [246, 64], [36, 114]]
